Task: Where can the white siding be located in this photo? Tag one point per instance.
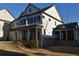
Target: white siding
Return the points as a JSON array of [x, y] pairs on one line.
[[53, 12], [5, 19], [50, 26], [4, 30], [5, 15], [1, 28]]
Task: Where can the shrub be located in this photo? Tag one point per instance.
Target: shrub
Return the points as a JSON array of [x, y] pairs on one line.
[[33, 43]]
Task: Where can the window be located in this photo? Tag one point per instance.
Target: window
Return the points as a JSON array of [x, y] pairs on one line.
[[55, 22], [34, 18], [49, 19], [23, 22], [43, 16], [38, 18], [29, 10], [30, 20]]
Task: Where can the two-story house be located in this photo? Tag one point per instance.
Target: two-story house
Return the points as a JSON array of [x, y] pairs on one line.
[[5, 19], [34, 23]]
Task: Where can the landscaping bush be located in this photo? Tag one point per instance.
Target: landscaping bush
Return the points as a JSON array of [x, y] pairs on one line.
[[33, 43]]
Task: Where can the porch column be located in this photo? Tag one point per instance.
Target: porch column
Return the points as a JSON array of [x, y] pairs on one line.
[[41, 39], [60, 34], [37, 37], [66, 34], [16, 35], [28, 34], [76, 34]]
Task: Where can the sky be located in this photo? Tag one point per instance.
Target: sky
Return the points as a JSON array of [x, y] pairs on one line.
[[67, 12]]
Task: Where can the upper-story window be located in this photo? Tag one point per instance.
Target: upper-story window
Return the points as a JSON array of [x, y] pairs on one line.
[[38, 18], [30, 20], [34, 19], [30, 10], [55, 22], [43, 16], [49, 19], [23, 21]]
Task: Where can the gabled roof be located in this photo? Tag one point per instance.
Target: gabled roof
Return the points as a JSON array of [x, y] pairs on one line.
[[43, 9], [6, 15], [40, 10], [73, 25], [32, 5], [47, 8]]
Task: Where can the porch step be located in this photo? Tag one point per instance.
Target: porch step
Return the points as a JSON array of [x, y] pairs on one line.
[[65, 43]]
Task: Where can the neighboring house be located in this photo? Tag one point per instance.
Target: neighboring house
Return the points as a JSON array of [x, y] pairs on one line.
[[34, 24], [67, 31], [67, 34], [5, 19]]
